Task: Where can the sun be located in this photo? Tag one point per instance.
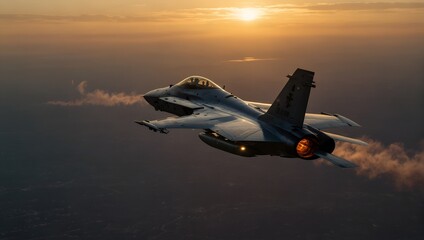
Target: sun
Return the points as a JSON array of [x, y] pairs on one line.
[[248, 14]]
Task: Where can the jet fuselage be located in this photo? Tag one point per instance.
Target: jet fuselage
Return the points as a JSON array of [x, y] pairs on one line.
[[245, 128], [176, 100]]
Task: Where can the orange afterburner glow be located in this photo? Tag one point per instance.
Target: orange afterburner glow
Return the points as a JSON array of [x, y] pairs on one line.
[[306, 147]]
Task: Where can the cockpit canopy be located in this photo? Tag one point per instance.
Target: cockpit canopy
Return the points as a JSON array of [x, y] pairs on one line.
[[197, 82]]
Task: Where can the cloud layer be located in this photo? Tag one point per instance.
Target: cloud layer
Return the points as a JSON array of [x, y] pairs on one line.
[[217, 13], [100, 98], [407, 170]]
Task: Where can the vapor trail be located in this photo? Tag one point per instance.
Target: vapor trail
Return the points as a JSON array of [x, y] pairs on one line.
[[376, 159], [100, 97]]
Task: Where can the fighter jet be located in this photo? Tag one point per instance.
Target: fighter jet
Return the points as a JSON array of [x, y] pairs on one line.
[[248, 129]]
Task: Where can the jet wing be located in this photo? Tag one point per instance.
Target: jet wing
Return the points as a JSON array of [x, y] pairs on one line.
[[318, 121], [261, 106], [198, 120], [229, 126], [326, 120]]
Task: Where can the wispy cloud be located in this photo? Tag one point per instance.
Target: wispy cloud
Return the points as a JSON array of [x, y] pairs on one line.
[[376, 159], [251, 59], [100, 98], [365, 6], [217, 14]]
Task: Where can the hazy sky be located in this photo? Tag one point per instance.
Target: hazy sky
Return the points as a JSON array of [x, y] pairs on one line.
[[136, 6], [139, 7], [89, 171]]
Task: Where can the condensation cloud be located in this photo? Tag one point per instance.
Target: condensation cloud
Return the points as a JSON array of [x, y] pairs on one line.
[[100, 98], [376, 159]]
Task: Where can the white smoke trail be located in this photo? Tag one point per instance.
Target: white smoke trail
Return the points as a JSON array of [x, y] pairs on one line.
[[100, 97], [376, 159]]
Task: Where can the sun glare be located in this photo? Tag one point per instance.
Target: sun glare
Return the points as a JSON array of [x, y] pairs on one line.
[[248, 14]]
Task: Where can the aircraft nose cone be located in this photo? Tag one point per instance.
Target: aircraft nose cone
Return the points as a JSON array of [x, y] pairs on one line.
[[150, 96]]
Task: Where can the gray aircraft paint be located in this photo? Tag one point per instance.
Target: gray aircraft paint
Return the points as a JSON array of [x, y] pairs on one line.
[[248, 128]]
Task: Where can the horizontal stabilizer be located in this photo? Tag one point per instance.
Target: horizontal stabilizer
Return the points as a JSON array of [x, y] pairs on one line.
[[345, 139], [346, 120], [340, 162]]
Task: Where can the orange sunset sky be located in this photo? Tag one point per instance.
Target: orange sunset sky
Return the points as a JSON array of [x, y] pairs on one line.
[[75, 166]]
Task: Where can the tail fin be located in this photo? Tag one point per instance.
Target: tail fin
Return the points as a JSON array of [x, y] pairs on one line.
[[292, 101]]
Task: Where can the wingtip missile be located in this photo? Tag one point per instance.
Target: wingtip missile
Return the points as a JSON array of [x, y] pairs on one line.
[[152, 126]]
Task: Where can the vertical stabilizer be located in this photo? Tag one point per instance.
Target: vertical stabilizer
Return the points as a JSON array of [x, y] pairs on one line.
[[291, 103]]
